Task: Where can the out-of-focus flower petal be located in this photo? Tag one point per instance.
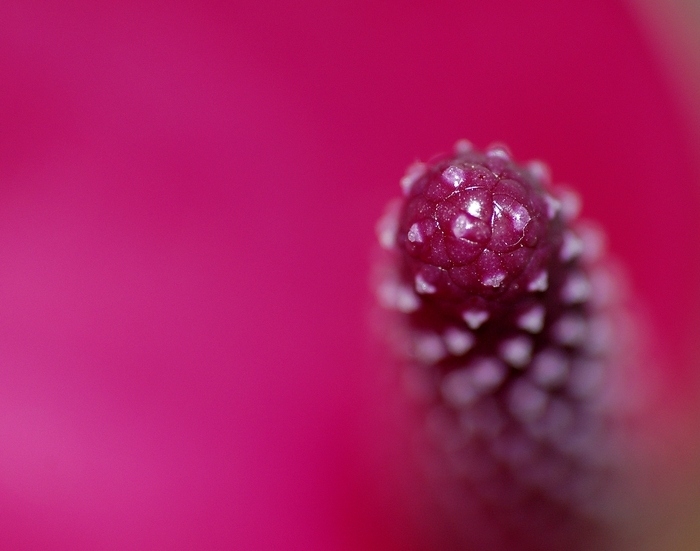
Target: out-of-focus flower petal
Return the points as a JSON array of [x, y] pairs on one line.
[[188, 191]]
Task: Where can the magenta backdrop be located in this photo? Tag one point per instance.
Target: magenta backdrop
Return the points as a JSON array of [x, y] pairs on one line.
[[187, 198]]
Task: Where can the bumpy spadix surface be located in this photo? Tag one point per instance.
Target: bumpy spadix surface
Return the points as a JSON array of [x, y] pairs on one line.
[[513, 340], [476, 225]]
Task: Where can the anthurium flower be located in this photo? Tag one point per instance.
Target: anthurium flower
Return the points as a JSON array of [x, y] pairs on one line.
[[188, 194], [514, 341]]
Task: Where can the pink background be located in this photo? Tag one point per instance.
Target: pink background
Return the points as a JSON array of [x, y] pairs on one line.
[[188, 192]]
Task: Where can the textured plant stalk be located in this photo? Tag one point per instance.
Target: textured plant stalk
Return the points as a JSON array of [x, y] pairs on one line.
[[517, 352]]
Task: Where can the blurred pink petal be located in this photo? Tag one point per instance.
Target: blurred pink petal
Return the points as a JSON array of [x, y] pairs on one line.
[[188, 197]]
